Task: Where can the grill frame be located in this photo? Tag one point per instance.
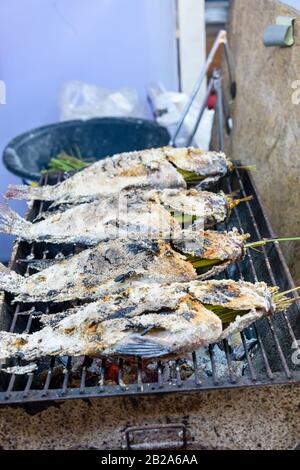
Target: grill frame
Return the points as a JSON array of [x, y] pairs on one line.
[[272, 347]]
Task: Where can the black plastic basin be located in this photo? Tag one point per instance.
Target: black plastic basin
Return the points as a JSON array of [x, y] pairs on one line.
[[29, 153]]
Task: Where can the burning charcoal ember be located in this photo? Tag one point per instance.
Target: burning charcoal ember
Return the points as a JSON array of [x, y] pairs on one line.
[[238, 350], [204, 362]]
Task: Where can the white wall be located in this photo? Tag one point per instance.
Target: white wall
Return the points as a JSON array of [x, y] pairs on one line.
[[44, 43], [191, 19]]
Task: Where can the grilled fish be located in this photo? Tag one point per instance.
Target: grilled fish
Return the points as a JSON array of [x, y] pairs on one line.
[[146, 321], [152, 213], [157, 168], [112, 264]]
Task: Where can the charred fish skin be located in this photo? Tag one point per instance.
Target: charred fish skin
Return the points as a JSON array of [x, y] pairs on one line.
[[207, 207], [98, 271], [210, 244], [90, 223], [107, 176], [226, 247], [112, 264], [151, 167], [135, 300], [101, 330], [129, 214], [200, 162], [147, 321]]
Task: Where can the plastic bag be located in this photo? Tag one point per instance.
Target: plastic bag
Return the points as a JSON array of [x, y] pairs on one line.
[[80, 100], [168, 107]]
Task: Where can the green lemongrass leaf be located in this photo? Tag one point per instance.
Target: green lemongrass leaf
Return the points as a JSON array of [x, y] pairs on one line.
[[264, 241], [57, 164], [74, 161], [227, 315], [184, 218], [202, 263], [190, 176], [281, 302], [65, 162]]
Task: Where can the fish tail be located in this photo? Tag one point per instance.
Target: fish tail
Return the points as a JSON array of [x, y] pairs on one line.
[[13, 223], [9, 280], [25, 192]]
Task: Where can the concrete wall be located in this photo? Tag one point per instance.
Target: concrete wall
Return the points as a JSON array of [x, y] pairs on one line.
[[44, 43], [267, 115]]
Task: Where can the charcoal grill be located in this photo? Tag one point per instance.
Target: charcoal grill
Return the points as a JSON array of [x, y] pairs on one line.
[[272, 358]]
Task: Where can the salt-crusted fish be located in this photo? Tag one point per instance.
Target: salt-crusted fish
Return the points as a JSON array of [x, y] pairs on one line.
[[211, 252], [146, 321], [164, 167], [132, 214], [113, 264]]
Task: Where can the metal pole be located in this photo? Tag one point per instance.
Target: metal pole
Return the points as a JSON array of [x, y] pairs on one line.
[[219, 108], [221, 39], [201, 111]]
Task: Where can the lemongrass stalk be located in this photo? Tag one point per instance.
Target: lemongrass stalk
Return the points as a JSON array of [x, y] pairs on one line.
[[264, 241], [280, 294], [280, 301], [235, 202], [246, 167]]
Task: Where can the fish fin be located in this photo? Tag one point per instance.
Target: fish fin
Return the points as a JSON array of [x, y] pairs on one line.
[[9, 280], [214, 271], [141, 347], [24, 192], [13, 223], [207, 182]]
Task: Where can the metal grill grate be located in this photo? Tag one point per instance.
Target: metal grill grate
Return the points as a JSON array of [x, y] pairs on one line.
[[265, 353]]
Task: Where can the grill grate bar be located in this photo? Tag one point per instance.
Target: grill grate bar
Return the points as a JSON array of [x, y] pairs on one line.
[[120, 374], [269, 320], [14, 320], [178, 376], [213, 364], [102, 374], [264, 354], [159, 374], [241, 276], [66, 373], [82, 380], [139, 375], [28, 384], [231, 374], [10, 386], [48, 377], [279, 349], [270, 271], [249, 361], [43, 384], [196, 369]]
